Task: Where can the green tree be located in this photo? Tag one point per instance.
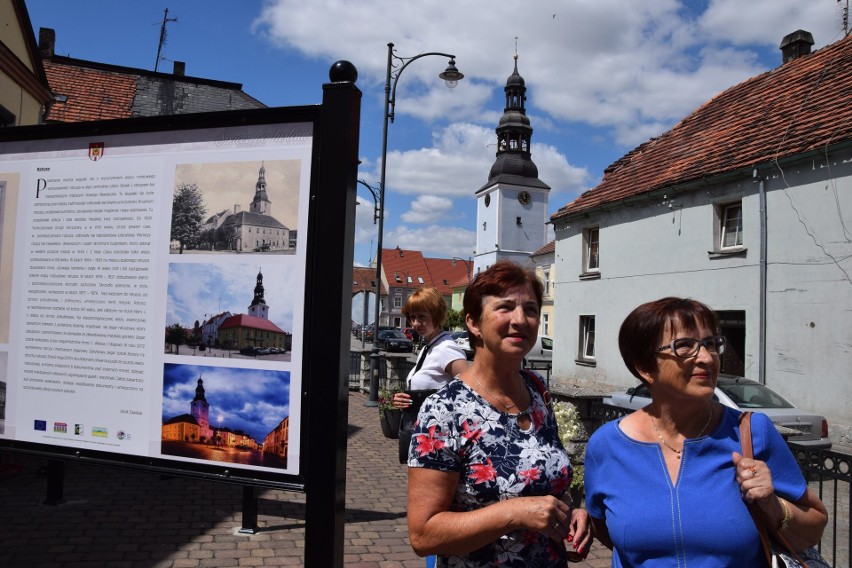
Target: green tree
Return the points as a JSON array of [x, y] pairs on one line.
[[455, 319], [176, 335], [188, 212], [226, 237]]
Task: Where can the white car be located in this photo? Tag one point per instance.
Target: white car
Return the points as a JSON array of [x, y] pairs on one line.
[[463, 341], [739, 393], [541, 351]]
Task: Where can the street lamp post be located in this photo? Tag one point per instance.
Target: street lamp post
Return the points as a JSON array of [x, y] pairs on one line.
[[467, 264], [451, 76]]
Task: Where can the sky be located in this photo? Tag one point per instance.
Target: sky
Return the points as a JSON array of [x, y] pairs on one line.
[[602, 77], [198, 289]]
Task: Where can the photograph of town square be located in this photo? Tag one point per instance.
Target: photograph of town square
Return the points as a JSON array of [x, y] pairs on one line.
[[226, 310], [221, 414], [228, 207]]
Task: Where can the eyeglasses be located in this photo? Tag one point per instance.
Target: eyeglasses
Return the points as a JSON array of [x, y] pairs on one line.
[[687, 347]]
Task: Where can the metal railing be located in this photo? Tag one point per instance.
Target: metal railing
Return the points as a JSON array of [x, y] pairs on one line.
[[829, 475]]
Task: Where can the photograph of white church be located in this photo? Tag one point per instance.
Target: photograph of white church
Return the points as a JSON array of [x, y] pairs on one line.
[[228, 207]]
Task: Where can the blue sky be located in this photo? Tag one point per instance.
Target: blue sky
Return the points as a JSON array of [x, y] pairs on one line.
[[199, 289], [602, 77]]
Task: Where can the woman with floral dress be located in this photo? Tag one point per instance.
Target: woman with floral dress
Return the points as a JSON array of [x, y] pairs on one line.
[[488, 478]]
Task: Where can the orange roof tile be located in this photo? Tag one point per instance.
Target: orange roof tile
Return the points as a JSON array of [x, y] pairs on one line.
[[364, 278], [252, 322], [801, 106], [433, 271], [92, 94]]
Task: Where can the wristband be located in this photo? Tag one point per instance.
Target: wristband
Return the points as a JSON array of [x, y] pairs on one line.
[[783, 524]]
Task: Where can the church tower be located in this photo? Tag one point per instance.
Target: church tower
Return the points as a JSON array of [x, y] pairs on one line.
[[200, 410], [511, 209], [261, 204], [258, 307]]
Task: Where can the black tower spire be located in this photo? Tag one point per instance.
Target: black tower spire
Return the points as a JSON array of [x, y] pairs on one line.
[[514, 162]]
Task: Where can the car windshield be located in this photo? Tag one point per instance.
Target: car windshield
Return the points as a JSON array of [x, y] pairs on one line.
[[754, 395]]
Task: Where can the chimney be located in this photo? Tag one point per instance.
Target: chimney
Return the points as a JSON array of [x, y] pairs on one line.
[[46, 41], [236, 209], [796, 45], [179, 68]]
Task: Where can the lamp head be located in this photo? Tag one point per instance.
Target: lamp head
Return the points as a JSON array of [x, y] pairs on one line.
[[451, 75]]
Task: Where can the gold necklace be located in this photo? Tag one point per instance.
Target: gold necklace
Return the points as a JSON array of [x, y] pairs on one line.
[[675, 450], [495, 397]]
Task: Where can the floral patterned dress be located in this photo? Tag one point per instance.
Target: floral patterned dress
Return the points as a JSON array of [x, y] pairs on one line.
[[458, 431]]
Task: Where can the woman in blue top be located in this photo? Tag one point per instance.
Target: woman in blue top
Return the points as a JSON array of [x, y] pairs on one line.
[[666, 485]]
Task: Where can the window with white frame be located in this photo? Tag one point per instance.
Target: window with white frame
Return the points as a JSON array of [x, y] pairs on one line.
[[591, 253], [587, 338], [397, 301], [545, 324], [731, 228], [547, 282]]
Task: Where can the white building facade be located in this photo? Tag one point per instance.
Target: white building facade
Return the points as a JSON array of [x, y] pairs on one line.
[[746, 205]]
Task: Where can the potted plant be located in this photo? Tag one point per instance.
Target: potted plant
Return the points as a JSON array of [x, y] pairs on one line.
[[389, 417], [573, 436]]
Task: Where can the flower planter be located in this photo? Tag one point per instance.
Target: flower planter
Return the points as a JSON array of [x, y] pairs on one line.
[[390, 420]]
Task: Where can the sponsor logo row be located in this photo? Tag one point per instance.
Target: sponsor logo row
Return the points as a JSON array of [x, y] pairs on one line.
[[79, 430]]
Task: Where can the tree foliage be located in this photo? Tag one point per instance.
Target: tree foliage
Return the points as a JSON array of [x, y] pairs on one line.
[[176, 335], [455, 319], [188, 212]]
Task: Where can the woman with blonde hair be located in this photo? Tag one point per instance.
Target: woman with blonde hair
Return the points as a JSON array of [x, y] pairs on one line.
[[440, 359]]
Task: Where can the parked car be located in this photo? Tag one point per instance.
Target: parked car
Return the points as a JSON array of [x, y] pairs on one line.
[[411, 334], [740, 393], [394, 340], [370, 331], [541, 351], [463, 341]]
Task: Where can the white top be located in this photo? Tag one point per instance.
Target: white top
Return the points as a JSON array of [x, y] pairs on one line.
[[442, 351]]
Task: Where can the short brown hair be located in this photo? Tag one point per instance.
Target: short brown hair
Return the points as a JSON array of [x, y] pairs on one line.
[[642, 330], [429, 301], [497, 280]]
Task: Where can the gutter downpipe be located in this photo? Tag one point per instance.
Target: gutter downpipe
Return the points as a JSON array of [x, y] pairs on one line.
[[761, 354]]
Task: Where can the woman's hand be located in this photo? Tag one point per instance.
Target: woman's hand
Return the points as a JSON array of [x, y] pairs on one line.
[[755, 481], [548, 515], [580, 533], [401, 400]]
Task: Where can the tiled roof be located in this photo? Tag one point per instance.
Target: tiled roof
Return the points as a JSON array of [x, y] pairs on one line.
[[454, 272], [546, 249], [433, 271], [98, 91], [364, 278], [91, 94], [801, 106], [251, 322]]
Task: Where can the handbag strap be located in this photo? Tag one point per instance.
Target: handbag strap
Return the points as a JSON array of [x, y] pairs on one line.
[[754, 509], [539, 386]]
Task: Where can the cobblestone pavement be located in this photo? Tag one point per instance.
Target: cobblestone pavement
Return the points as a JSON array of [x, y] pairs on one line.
[[117, 518]]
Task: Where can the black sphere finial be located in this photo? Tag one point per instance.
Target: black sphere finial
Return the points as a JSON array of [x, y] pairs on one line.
[[343, 71]]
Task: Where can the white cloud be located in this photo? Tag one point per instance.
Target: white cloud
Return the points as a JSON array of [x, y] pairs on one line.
[[434, 241], [428, 209]]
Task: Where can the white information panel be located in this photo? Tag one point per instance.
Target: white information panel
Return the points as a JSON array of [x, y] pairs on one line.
[[151, 293]]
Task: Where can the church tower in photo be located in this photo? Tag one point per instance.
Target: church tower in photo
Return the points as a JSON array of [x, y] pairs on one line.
[[511, 209], [258, 307], [200, 410]]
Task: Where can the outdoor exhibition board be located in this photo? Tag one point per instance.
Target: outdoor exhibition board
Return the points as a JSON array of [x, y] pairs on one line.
[[153, 278]]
